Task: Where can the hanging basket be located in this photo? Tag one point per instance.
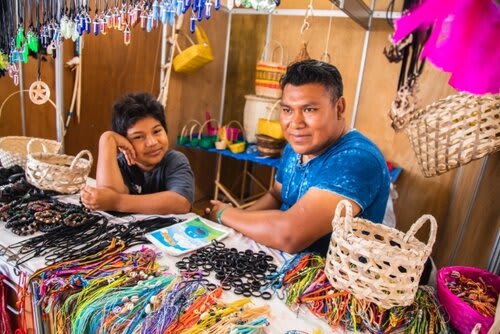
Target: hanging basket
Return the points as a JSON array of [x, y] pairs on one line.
[[268, 73], [13, 149], [195, 56], [450, 132], [59, 172], [375, 262]]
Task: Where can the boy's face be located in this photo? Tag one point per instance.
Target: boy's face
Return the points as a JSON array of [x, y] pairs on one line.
[[150, 141]]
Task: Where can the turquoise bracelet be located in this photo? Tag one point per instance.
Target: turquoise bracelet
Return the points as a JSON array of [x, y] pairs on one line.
[[219, 216]]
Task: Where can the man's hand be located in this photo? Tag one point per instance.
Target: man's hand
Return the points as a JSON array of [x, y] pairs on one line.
[[216, 207], [99, 198]]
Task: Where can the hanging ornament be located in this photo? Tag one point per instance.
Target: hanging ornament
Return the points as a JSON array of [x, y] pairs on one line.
[[192, 24], [20, 37], [149, 23], [24, 54], [171, 14], [87, 23], [103, 26], [127, 35], [217, 4], [63, 26], [163, 13], [33, 43], [96, 26], [155, 10], [116, 19], [69, 29], [39, 92], [208, 8], [230, 4], [144, 19]]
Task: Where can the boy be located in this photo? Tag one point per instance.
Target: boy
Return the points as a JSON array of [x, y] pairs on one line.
[[136, 171]]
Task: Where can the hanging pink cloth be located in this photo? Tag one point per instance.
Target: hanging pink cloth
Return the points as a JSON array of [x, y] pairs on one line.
[[465, 41]]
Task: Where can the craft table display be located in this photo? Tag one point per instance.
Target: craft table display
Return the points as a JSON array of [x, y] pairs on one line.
[[281, 318]]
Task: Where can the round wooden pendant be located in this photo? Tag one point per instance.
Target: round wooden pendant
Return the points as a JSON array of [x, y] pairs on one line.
[[39, 92]]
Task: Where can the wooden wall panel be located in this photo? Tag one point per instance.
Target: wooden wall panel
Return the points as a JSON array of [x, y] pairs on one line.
[[484, 221], [201, 92]]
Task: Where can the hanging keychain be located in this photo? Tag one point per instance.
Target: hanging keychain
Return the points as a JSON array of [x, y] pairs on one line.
[[39, 91]]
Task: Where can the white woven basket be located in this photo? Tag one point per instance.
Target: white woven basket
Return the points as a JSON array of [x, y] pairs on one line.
[[375, 262], [13, 149], [59, 172], [450, 132]]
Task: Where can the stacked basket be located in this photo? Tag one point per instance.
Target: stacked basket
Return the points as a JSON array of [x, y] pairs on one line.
[[13, 149]]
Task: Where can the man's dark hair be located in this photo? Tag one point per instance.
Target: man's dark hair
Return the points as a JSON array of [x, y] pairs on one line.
[[314, 71], [133, 107]]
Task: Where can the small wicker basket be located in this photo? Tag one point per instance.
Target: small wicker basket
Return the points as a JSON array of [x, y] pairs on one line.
[[374, 262], [13, 149], [450, 132], [59, 172], [462, 316]]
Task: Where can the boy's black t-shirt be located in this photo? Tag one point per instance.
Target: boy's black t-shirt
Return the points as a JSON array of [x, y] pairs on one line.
[[173, 173]]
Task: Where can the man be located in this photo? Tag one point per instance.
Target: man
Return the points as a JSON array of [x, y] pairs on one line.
[[323, 163], [146, 177]]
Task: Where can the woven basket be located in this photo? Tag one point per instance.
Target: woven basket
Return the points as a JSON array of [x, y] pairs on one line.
[[185, 137], [256, 107], [451, 132], [268, 146], [196, 56], [462, 316], [375, 262], [207, 140], [268, 73], [59, 172], [13, 149], [270, 127]]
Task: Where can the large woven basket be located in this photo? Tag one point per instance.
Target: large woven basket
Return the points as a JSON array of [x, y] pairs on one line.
[[13, 149], [452, 131], [59, 172], [462, 316], [375, 262]]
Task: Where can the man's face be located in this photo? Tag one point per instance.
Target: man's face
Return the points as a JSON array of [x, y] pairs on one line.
[[150, 142], [311, 122]]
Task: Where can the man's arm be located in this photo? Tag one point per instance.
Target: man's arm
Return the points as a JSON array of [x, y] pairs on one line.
[[108, 172], [292, 230], [270, 201]]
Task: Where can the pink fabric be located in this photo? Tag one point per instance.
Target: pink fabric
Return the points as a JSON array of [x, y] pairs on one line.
[[465, 41]]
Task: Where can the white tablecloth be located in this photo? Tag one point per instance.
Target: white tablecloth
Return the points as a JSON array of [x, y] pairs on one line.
[[282, 318]]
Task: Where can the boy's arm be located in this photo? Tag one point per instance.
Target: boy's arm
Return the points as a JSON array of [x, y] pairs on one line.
[[108, 173], [106, 199]]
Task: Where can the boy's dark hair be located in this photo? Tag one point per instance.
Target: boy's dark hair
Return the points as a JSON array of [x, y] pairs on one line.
[[130, 108], [314, 71]]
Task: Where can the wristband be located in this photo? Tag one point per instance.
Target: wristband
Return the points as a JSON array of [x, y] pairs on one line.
[[219, 216]]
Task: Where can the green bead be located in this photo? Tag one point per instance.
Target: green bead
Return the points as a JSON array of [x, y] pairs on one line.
[[33, 42], [25, 54], [20, 37]]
